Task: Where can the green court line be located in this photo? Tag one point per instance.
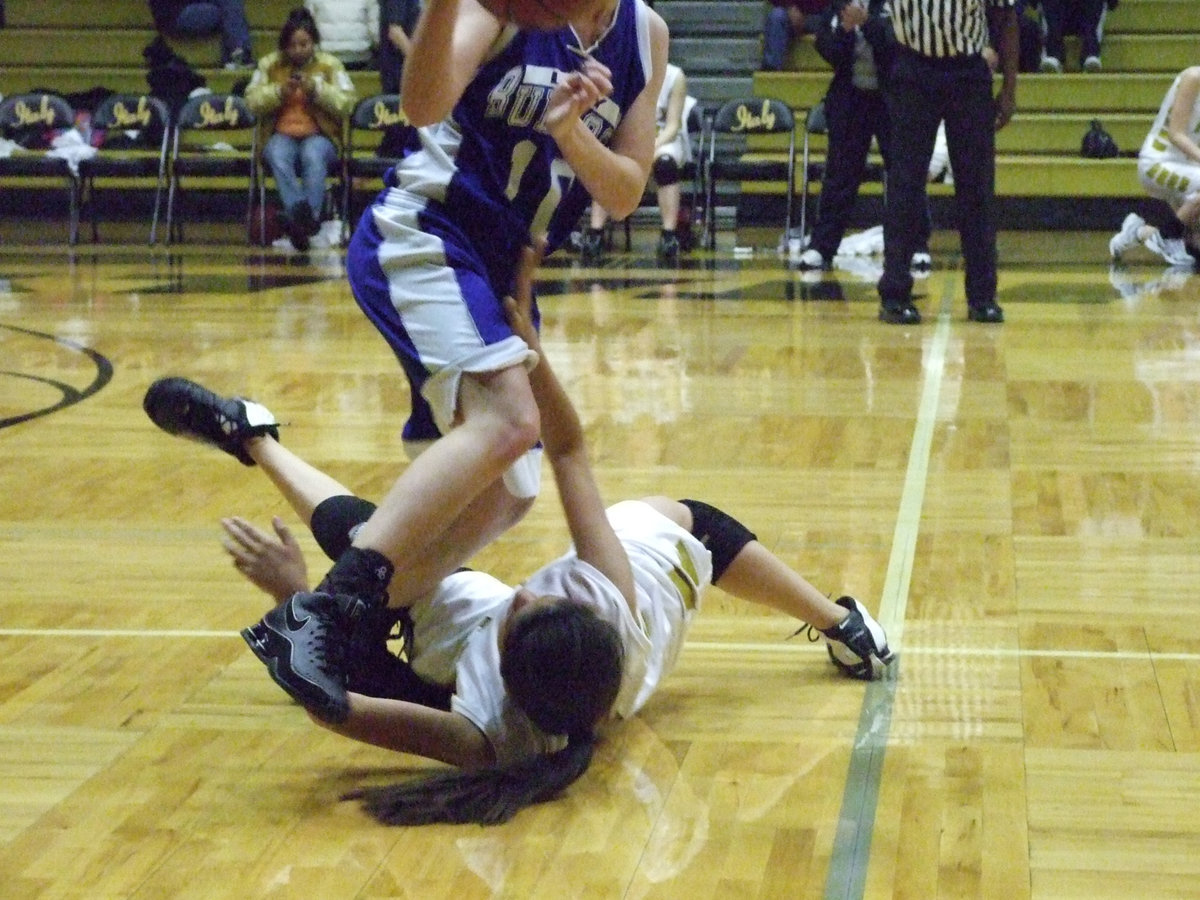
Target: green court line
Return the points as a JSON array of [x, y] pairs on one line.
[[847, 876]]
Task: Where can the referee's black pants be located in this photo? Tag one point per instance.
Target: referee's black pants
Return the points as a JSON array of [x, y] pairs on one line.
[[921, 92]]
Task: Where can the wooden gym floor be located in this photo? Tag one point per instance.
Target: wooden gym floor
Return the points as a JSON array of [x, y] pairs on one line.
[[1020, 504]]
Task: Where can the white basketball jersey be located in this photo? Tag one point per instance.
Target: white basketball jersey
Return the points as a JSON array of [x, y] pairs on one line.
[[1158, 142]]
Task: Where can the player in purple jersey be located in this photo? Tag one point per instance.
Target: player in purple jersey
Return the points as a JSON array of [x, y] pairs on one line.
[[519, 130]]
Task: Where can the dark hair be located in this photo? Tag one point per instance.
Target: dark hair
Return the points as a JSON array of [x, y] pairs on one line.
[[562, 665], [299, 19]]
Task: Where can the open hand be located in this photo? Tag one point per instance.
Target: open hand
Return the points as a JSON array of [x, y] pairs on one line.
[[518, 308], [274, 566]]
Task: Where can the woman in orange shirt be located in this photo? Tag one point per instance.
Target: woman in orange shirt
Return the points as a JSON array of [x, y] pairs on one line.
[[301, 96]]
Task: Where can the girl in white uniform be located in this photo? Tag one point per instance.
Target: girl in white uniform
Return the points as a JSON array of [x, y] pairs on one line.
[[536, 671], [1169, 169]]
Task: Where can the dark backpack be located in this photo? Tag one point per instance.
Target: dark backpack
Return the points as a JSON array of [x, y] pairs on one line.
[[1098, 143]]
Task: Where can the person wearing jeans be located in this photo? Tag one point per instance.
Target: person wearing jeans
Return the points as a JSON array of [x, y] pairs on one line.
[[300, 166], [301, 96], [786, 20], [1082, 17], [203, 17]]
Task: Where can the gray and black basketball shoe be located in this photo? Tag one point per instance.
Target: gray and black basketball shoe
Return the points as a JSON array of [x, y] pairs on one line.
[[304, 643]]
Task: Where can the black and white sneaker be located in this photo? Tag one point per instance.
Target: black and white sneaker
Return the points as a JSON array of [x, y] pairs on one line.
[[182, 407], [304, 644], [591, 249], [857, 645]]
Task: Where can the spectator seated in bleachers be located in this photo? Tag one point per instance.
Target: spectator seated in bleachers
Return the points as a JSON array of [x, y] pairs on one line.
[[786, 20], [302, 96], [1084, 18], [349, 30], [205, 17]]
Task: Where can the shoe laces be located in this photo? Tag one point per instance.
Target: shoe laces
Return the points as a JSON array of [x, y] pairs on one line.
[[330, 640], [810, 631]]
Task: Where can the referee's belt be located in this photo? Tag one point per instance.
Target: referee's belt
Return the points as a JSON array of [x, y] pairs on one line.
[[947, 63]]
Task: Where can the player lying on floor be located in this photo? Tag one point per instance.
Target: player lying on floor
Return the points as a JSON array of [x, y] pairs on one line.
[[509, 685]]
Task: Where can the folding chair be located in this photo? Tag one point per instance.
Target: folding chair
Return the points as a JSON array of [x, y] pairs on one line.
[[374, 116], [732, 124], [209, 117], [45, 112], [814, 123], [128, 112]]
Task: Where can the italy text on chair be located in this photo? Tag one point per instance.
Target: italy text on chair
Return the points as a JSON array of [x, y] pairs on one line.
[[29, 118], [215, 139], [749, 139], [134, 152]]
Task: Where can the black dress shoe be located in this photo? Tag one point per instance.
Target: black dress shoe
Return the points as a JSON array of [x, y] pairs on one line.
[[988, 312], [906, 314]]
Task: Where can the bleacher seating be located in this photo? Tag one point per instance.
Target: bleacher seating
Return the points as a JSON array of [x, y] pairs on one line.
[[74, 48], [1147, 42]]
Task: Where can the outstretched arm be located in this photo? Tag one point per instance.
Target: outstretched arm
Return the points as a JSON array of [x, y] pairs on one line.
[[405, 727], [562, 435]]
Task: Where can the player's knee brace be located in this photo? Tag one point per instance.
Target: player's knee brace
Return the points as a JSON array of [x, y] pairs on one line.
[[335, 521], [666, 171], [721, 533]]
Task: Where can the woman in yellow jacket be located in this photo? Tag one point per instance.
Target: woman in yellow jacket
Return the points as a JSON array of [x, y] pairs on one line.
[[301, 96]]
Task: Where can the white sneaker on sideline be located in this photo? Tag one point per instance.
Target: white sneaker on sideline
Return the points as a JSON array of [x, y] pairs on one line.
[[811, 259], [1051, 65], [1092, 64], [1172, 250], [1127, 237]]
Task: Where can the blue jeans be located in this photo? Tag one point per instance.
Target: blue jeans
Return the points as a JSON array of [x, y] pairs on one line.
[[778, 35], [225, 16], [300, 167]]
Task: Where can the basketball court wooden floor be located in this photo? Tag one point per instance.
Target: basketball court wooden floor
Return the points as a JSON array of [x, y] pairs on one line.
[[1020, 504]]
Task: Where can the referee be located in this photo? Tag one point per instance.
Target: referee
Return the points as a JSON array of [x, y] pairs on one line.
[[940, 73]]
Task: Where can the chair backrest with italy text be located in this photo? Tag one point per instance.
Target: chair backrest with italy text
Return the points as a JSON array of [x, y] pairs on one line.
[[228, 119], [730, 156]]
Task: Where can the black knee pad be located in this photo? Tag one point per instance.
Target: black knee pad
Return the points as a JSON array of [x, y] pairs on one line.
[[335, 520], [721, 533], [666, 171]]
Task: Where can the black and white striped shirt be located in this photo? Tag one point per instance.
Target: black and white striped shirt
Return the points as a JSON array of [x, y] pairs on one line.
[[942, 28]]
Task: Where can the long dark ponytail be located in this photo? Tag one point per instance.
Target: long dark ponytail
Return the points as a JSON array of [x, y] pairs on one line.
[[562, 664], [485, 796]]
